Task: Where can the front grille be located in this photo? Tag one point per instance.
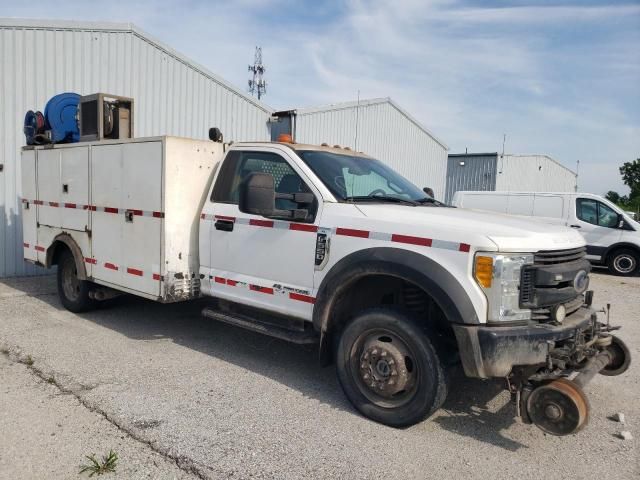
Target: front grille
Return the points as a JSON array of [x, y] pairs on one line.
[[549, 282], [555, 257]]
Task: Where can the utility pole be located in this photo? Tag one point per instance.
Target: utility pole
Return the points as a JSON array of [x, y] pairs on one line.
[[257, 85]]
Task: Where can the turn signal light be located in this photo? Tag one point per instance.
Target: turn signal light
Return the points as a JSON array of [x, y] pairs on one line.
[[484, 271]]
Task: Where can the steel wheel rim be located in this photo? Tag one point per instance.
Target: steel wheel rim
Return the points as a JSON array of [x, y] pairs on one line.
[[624, 263], [70, 282], [384, 368]]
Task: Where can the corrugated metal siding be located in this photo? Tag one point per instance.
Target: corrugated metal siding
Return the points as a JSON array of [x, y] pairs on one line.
[[385, 133], [171, 97], [478, 172], [533, 173]]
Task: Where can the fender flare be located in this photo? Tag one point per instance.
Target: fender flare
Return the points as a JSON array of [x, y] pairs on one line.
[[615, 246], [70, 243], [424, 272]]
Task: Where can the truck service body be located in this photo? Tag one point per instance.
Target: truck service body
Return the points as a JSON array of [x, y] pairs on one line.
[[316, 244]]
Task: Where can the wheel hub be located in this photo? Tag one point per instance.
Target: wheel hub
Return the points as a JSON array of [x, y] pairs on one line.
[[559, 407], [383, 367], [624, 263], [70, 282]]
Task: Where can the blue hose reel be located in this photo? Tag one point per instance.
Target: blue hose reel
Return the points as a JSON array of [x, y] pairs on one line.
[[60, 121]]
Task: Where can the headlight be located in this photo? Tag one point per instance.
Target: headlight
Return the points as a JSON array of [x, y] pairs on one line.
[[498, 275]]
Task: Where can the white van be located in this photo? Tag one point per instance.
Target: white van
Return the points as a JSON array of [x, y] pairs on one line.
[[612, 236]]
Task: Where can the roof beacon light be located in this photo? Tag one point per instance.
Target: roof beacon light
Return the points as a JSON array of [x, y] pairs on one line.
[[285, 138]]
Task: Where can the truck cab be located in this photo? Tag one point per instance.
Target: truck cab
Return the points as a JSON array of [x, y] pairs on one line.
[[323, 245]]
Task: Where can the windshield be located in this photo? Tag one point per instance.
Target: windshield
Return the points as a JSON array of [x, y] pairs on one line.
[[352, 178]]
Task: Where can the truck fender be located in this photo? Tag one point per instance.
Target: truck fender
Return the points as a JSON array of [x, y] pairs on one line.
[[615, 246], [70, 243], [424, 272]]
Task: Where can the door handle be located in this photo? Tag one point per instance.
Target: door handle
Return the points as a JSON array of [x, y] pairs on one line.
[[575, 226], [224, 225]]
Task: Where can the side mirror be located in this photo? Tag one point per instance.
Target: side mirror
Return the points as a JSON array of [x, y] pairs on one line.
[[429, 191], [620, 221], [258, 195]]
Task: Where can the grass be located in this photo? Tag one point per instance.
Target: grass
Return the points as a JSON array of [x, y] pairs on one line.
[[96, 467]]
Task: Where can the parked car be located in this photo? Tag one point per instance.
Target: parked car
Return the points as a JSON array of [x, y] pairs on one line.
[[327, 246], [612, 236]]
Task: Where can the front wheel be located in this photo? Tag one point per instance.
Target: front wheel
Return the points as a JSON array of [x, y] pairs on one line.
[[389, 369], [623, 262], [73, 292]]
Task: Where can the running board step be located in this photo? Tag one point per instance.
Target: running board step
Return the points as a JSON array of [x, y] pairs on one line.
[[293, 336]]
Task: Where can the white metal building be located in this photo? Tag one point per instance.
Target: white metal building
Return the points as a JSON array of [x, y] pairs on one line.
[[378, 127], [507, 173], [172, 95]]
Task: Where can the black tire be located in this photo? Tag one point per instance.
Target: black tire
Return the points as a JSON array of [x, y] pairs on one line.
[[623, 262], [405, 391], [73, 293]]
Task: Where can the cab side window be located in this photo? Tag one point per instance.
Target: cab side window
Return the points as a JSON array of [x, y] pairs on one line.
[[238, 165], [596, 213]]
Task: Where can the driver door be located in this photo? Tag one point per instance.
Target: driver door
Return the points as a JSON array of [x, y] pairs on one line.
[[266, 263]]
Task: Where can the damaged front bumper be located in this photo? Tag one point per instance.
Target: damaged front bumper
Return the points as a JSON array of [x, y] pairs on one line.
[[493, 351]]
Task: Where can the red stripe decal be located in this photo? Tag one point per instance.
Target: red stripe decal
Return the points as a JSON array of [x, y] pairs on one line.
[[39, 248], [26, 245], [201, 216], [38, 202], [134, 271], [224, 217], [92, 261], [351, 232], [110, 210], [69, 205], [232, 283], [425, 242], [302, 298], [464, 247], [261, 223], [220, 280], [111, 266], [137, 213], [54, 204], [157, 277], [301, 227], [90, 207], [258, 288], [160, 214]]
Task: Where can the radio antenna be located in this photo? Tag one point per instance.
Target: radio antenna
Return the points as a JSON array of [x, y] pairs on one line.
[[355, 140], [257, 84]]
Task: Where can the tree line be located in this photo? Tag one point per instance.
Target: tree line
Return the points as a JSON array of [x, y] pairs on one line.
[[630, 172]]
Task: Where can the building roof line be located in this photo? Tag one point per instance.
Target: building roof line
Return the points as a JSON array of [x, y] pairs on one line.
[[516, 155], [37, 24], [364, 103]]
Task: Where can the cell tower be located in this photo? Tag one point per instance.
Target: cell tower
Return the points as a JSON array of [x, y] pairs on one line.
[[257, 85]]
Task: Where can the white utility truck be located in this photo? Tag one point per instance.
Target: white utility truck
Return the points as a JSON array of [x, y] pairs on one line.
[[319, 244], [612, 235]]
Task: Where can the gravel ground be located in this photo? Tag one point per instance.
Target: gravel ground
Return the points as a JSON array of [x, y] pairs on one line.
[[178, 396]]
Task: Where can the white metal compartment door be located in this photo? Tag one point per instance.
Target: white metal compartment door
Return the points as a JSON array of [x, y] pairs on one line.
[[127, 222], [29, 217], [74, 188]]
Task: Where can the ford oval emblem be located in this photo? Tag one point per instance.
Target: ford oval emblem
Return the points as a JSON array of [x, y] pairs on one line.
[[581, 281]]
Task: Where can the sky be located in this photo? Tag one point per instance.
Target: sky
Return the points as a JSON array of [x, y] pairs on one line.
[[560, 78]]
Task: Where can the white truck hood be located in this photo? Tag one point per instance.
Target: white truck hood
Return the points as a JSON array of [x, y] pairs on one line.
[[508, 233]]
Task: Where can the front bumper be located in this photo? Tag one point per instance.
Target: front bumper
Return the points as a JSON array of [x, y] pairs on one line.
[[493, 351]]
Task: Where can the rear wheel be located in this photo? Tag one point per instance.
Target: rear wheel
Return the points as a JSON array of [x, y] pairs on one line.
[[389, 369], [73, 292], [623, 262]]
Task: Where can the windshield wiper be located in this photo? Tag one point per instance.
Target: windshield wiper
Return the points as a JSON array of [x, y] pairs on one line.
[[431, 200], [381, 198]]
